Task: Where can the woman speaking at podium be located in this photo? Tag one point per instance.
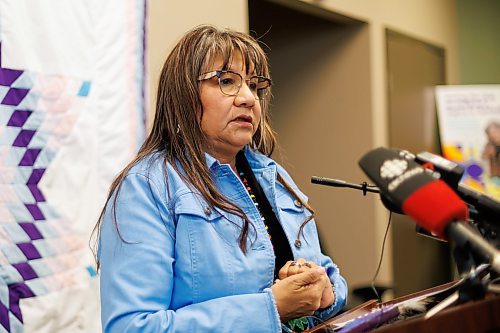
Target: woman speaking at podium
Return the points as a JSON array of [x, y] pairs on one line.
[[203, 231]]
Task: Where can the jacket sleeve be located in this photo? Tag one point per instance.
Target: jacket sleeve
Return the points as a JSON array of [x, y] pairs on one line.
[[137, 257], [340, 289]]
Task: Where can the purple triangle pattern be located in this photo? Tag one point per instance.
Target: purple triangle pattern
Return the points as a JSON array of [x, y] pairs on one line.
[[29, 210], [19, 117], [8, 76], [14, 96]]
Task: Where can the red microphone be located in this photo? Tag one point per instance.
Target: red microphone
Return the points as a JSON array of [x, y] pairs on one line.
[[426, 199]]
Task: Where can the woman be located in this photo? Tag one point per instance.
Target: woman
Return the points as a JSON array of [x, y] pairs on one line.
[[201, 229]]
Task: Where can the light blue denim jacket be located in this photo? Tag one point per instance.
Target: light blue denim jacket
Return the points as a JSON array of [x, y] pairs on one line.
[[180, 268]]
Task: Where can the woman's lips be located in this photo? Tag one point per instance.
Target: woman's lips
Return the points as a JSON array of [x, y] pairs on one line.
[[243, 120]]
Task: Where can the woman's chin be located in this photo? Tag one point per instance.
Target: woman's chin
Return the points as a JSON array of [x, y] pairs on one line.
[[242, 141]]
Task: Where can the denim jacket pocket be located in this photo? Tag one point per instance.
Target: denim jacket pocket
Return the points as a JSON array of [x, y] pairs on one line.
[[191, 208], [290, 205], [292, 215]]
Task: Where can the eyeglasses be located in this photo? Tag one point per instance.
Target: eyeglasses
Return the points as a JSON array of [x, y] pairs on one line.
[[230, 83]]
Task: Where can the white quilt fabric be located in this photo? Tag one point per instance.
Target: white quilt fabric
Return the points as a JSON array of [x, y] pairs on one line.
[[72, 114]]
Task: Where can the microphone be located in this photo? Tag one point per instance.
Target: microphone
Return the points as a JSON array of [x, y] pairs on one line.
[[486, 206], [451, 173], [363, 187], [342, 183], [426, 199]]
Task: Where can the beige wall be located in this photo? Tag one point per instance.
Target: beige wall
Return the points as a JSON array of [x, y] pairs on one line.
[[428, 20], [431, 21]]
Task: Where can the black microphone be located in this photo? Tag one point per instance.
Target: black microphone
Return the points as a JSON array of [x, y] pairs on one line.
[[450, 172], [363, 187], [486, 206], [342, 183], [426, 199]]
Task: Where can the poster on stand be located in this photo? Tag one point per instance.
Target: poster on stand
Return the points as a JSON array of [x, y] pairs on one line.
[[469, 129]]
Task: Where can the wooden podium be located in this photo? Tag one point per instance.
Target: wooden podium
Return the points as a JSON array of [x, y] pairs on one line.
[[471, 317]]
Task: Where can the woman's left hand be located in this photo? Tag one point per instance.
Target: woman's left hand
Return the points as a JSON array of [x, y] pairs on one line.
[[301, 265]]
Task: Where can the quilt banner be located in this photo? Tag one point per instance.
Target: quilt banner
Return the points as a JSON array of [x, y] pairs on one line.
[[72, 114]]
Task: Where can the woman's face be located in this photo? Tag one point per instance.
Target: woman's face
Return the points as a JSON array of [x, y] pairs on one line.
[[229, 122]]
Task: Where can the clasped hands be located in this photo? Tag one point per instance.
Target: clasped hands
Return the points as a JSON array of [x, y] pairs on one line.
[[302, 288]]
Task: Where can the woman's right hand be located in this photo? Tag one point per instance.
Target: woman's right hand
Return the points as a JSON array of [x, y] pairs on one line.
[[300, 294], [301, 265]]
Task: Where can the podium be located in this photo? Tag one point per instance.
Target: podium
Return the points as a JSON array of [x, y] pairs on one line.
[[473, 316]]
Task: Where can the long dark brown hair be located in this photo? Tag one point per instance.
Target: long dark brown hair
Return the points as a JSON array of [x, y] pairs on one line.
[[176, 132]]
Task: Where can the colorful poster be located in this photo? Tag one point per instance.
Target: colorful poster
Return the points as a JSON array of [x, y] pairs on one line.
[[469, 128]]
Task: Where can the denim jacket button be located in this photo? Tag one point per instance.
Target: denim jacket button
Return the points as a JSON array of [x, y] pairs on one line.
[[297, 203], [207, 210], [298, 243]]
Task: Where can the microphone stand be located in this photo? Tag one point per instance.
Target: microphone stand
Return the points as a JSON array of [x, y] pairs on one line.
[[475, 280], [470, 287]]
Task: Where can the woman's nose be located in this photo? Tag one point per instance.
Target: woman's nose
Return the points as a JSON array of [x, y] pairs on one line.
[[245, 96]]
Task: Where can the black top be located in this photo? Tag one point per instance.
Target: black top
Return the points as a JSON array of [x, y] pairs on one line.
[[281, 246]]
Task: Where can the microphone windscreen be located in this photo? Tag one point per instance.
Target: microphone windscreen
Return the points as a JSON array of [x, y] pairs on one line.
[[395, 173], [435, 205]]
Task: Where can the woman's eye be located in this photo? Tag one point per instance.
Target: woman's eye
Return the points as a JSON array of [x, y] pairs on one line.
[[253, 86], [226, 81]]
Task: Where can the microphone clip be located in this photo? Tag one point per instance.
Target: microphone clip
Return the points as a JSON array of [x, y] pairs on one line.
[[364, 188]]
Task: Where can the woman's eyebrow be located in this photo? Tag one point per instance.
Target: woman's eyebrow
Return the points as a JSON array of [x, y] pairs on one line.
[[242, 71]]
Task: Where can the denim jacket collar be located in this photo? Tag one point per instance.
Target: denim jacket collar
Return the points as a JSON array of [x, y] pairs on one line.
[[256, 159]]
